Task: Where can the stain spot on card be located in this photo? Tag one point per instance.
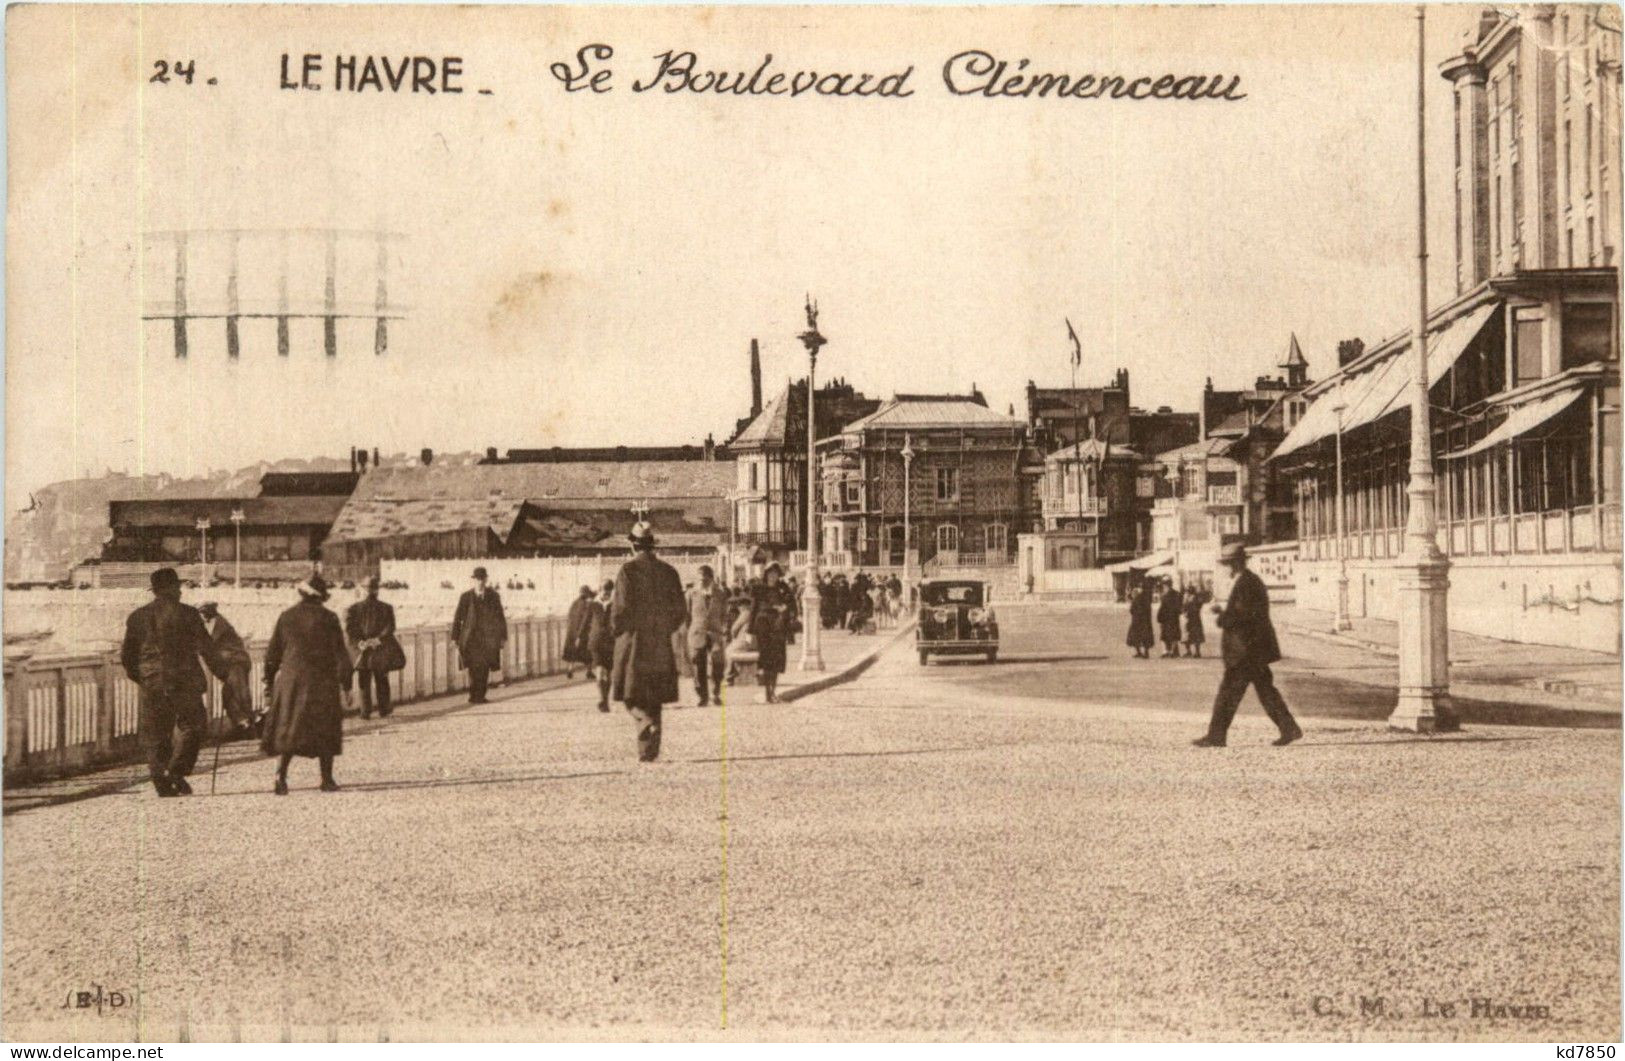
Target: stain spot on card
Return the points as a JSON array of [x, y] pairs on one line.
[[520, 303]]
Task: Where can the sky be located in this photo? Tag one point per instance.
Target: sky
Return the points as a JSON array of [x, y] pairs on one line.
[[580, 268]]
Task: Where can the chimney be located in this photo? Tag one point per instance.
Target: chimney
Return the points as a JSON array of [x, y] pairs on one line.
[[427, 456], [1349, 350], [490, 454], [352, 460], [755, 380], [377, 461], [361, 460], [711, 445]]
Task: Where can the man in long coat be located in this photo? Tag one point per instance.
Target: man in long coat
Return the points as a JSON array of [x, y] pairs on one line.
[[648, 609], [236, 696], [163, 641], [369, 623], [706, 606], [576, 623], [1169, 612], [481, 630], [307, 671], [1249, 647]]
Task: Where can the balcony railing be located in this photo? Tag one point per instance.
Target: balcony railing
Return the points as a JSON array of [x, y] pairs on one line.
[[72, 712], [1059, 506], [1224, 495]]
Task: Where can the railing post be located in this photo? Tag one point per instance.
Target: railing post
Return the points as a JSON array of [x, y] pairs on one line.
[[16, 675], [106, 690], [60, 749]]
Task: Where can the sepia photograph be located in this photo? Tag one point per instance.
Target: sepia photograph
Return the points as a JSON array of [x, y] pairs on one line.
[[797, 523]]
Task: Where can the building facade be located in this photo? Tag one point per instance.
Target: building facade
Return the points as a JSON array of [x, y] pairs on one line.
[[770, 514], [1091, 490], [1523, 362], [958, 491]]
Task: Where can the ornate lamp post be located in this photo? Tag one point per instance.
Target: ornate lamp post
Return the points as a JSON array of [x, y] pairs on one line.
[[1423, 572], [908, 568], [237, 518], [1342, 620], [203, 526], [812, 648]]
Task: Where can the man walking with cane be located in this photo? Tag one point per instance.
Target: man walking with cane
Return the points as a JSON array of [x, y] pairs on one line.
[[1249, 647]]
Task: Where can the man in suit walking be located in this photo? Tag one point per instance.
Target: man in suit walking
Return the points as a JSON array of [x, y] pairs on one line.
[[162, 643], [647, 610], [481, 630], [1249, 647], [369, 623], [707, 609]]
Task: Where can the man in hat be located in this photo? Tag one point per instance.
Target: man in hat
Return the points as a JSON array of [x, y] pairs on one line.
[[163, 641], [1249, 647], [576, 629], [369, 623], [601, 641], [481, 630], [707, 609], [647, 610], [235, 695]]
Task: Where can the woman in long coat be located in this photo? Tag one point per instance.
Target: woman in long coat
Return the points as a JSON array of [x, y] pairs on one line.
[[771, 612], [1139, 621], [1169, 612], [601, 642], [1194, 634], [307, 668], [577, 625]]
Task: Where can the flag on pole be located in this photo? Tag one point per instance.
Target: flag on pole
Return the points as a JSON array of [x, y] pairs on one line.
[[1077, 347]]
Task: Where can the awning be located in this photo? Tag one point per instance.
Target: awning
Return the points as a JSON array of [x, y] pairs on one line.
[[1142, 563], [1162, 571], [1522, 420], [1382, 388]]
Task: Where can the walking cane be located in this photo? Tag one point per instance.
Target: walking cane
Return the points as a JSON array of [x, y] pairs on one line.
[[219, 739]]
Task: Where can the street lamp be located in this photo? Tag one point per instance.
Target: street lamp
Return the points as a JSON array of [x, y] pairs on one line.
[[203, 526], [237, 518], [908, 568], [1422, 575], [812, 648], [1342, 620]]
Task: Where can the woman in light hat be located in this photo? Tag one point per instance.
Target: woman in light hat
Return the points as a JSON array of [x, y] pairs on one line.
[[307, 668]]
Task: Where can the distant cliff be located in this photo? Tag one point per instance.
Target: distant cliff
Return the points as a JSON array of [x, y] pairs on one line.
[[67, 521]]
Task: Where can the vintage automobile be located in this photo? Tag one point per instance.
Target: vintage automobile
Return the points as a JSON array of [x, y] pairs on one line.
[[956, 619]]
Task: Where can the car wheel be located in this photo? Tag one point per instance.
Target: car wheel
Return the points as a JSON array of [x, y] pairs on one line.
[[922, 657], [993, 655]]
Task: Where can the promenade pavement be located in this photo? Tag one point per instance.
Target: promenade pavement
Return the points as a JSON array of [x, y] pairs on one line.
[[1030, 849]]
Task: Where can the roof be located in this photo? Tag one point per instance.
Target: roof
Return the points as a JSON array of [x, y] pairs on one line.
[[933, 411], [628, 481], [257, 511], [578, 527], [771, 425], [374, 518], [1294, 354], [1366, 390], [1093, 449], [1207, 447]]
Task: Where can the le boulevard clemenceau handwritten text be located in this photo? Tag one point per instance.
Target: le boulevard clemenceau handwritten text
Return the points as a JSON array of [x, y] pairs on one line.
[[973, 74]]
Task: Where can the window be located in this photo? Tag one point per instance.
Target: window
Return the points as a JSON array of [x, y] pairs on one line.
[[1227, 524], [1588, 333], [1527, 328], [947, 538], [1590, 135], [1190, 482], [854, 491], [753, 475], [996, 539], [1568, 161], [948, 486]]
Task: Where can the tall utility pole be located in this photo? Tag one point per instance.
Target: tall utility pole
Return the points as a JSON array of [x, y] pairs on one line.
[[1341, 620], [1422, 575], [908, 568], [812, 647], [237, 518], [203, 526]]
